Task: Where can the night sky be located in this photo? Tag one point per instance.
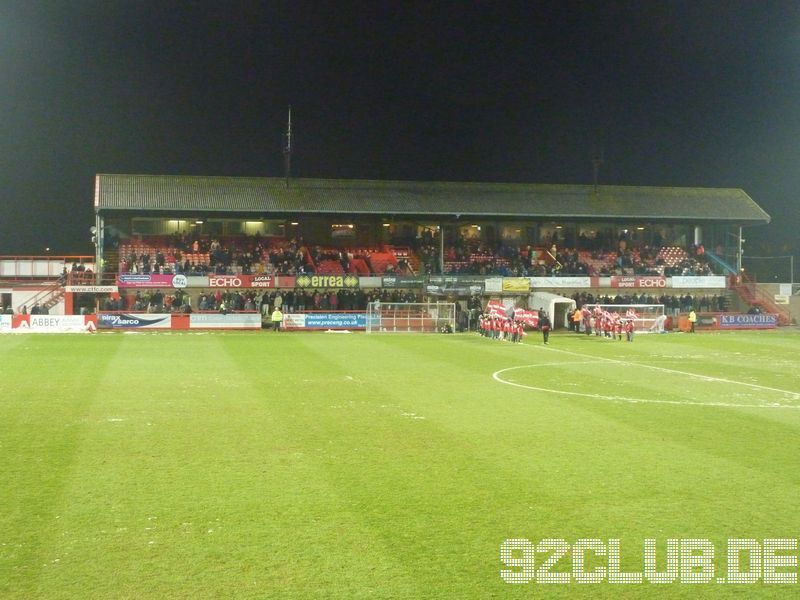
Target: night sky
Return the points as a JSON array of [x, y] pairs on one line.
[[695, 93]]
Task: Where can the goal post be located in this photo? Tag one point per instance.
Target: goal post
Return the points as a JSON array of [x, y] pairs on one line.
[[411, 317], [647, 315]]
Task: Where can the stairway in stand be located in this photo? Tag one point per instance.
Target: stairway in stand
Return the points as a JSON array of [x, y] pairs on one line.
[[754, 296], [110, 261]]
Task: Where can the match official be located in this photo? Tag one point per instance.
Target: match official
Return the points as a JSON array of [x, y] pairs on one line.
[[277, 318]]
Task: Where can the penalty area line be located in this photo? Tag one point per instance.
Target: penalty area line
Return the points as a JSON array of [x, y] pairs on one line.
[[674, 371], [496, 376]]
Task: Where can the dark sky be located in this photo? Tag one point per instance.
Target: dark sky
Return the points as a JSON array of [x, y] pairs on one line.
[[694, 93]]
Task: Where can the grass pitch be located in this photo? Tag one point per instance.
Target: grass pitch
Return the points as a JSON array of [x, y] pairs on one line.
[[342, 466]]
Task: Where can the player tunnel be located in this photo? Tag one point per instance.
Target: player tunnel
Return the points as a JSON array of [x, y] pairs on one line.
[[558, 307]]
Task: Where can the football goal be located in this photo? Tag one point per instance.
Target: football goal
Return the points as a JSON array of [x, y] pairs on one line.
[[647, 315], [411, 317]]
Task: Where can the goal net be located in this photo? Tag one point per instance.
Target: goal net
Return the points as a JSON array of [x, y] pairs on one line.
[[413, 317], [647, 316]]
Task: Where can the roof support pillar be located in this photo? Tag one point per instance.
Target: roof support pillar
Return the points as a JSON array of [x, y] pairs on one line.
[[739, 254], [100, 234], [698, 235], [441, 248]]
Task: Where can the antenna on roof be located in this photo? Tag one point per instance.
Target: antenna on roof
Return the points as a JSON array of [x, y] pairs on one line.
[[597, 162], [287, 151]]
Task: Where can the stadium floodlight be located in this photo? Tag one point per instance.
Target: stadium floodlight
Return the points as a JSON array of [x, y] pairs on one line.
[[411, 317], [647, 319]]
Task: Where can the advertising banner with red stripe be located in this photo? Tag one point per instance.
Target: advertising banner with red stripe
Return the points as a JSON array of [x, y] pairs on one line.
[[53, 323]]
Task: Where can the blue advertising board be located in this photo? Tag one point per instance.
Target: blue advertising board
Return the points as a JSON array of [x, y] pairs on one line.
[[747, 321], [336, 321], [129, 321]]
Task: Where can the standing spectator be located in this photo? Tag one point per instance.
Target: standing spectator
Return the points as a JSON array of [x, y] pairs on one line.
[[264, 304]]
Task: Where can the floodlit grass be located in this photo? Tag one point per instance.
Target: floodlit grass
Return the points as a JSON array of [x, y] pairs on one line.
[[341, 466]]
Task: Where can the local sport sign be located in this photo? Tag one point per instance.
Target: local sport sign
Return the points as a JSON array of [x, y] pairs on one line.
[[638, 281]]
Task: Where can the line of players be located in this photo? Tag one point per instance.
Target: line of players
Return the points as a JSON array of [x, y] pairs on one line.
[[602, 322], [501, 328], [609, 324]]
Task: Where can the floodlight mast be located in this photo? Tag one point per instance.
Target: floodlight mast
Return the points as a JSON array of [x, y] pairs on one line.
[[287, 151], [597, 162]]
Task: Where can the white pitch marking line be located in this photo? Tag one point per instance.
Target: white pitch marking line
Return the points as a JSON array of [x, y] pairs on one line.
[[664, 369], [496, 377]]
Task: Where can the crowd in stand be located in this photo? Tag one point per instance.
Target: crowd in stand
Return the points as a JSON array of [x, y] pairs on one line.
[[201, 256], [250, 300], [241, 256], [77, 274], [671, 302], [464, 256]]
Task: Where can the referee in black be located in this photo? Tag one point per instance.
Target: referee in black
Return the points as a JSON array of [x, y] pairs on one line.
[[544, 325]]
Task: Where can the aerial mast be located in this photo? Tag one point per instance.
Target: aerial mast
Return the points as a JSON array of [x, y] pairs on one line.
[[287, 150]]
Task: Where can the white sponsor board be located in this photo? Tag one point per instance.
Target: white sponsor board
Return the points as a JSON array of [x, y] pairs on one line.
[[294, 320], [229, 321], [53, 324], [782, 299], [561, 282], [197, 281], [699, 281], [370, 282], [493, 285], [5, 322]]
